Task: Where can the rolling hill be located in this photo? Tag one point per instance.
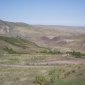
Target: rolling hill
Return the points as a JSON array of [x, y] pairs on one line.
[[17, 45], [64, 38]]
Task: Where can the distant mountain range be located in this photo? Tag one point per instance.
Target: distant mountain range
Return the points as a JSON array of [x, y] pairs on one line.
[[49, 36]]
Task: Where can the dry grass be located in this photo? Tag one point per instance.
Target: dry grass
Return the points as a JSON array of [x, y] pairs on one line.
[[26, 76]]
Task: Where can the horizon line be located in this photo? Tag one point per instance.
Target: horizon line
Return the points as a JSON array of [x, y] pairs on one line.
[[41, 24]]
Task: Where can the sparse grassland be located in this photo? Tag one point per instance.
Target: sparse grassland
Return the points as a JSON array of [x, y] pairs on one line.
[[24, 63], [27, 59], [43, 75]]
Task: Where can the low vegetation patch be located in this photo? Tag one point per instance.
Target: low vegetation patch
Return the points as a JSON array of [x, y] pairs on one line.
[[9, 50], [76, 54]]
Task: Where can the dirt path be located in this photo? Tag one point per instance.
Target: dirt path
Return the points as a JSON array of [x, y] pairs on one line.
[[60, 62], [49, 63]]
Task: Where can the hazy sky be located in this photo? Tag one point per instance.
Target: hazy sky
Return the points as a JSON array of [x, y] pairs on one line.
[[53, 12]]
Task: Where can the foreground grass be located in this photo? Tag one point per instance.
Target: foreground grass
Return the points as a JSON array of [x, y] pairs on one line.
[[54, 75]]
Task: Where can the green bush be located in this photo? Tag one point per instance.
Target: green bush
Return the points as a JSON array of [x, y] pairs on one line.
[[49, 51], [75, 54], [40, 79]]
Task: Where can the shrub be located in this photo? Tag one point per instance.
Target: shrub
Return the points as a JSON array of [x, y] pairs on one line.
[[53, 75], [49, 51], [40, 79], [75, 54]]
